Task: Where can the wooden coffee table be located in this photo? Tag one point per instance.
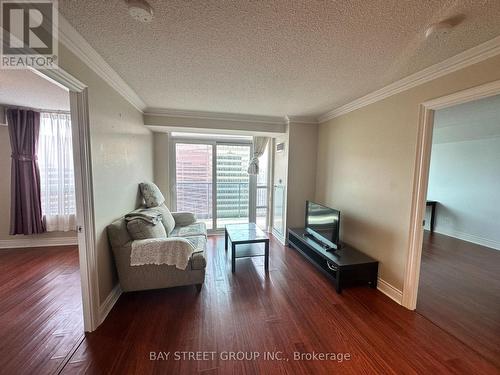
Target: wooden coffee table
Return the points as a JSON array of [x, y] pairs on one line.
[[246, 236]]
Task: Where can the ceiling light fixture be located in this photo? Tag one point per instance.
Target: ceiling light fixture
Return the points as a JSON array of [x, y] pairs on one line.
[[443, 27], [140, 10]]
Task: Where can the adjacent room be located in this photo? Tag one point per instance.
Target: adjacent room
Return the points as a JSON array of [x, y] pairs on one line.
[[459, 280], [41, 305], [243, 187]]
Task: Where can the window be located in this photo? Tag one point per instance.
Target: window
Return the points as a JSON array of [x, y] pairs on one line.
[[55, 160]]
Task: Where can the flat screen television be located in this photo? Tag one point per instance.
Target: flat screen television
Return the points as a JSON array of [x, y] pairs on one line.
[[323, 223]]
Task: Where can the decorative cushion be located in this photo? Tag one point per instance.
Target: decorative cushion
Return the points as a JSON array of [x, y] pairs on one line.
[[142, 230], [166, 218], [151, 194], [184, 218]]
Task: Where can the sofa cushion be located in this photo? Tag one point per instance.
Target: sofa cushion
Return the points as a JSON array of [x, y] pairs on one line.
[[151, 194], [140, 230], [196, 229], [184, 218], [166, 218]]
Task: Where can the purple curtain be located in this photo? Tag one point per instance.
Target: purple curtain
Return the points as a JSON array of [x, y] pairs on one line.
[[26, 207]]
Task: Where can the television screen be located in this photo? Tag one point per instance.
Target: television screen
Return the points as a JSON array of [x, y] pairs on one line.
[[324, 221]]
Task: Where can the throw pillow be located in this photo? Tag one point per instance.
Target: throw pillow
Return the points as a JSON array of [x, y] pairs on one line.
[[141, 230], [166, 218], [151, 194]]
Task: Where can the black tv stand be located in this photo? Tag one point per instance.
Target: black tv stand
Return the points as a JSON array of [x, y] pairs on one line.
[[344, 266], [324, 245]]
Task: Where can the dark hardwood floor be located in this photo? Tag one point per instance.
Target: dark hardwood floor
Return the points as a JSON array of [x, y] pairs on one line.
[[460, 291], [40, 308], [291, 309]]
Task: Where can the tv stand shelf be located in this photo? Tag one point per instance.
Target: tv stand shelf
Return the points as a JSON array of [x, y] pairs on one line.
[[345, 266]]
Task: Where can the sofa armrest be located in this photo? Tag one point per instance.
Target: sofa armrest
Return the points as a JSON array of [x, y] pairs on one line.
[[184, 218]]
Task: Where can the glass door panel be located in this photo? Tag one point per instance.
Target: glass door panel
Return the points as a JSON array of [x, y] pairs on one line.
[[279, 211], [232, 184], [262, 193], [194, 181]]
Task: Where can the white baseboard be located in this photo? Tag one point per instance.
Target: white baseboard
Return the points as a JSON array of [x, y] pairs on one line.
[[15, 243], [470, 238], [109, 302], [390, 291]]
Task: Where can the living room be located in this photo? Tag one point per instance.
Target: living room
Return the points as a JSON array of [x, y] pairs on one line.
[[203, 132]]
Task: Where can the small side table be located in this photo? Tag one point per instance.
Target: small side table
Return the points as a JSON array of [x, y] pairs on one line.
[[246, 234], [432, 204]]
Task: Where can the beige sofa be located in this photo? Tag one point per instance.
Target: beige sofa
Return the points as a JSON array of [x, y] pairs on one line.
[[152, 276]]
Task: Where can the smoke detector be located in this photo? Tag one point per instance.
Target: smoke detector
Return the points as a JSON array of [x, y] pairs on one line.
[[140, 10]]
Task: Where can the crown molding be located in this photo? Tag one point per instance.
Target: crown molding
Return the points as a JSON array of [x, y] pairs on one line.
[[464, 59], [73, 41], [220, 116]]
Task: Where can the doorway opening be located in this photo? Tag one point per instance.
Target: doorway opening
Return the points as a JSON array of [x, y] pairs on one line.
[[459, 286], [452, 264], [40, 256]]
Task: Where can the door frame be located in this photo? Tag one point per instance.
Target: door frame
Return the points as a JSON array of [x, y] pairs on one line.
[[83, 191], [212, 142], [421, 179]]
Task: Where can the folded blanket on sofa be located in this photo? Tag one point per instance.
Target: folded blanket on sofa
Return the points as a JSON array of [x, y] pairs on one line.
[[145, 214], [170, 251]]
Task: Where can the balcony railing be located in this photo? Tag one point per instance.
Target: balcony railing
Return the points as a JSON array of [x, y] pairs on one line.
[[232, 199]]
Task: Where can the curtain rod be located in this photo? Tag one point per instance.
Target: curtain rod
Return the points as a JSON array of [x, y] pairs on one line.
[[36, 109], [3, 119]]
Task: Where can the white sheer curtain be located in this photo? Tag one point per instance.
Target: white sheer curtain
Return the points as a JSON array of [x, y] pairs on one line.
[[259, 147], [55, 160]]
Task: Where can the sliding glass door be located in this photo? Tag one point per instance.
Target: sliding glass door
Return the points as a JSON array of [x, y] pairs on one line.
[[262, 191], [209, 178], [232, 184], [194, 180]]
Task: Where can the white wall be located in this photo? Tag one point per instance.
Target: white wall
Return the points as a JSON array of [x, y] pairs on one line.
[[122, 156], [161, 149], [295, 168], [465, 175], [303, 145]]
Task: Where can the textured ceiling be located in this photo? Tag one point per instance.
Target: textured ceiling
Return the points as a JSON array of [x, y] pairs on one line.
[[26, 89], [274, 57]]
